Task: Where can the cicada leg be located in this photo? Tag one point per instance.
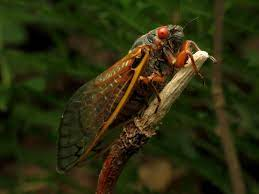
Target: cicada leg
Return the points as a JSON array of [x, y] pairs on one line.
[[183, 55], [155, 77]]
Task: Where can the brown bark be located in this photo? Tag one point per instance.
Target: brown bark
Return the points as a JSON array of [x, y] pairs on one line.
[[222, 130], [130, 141]]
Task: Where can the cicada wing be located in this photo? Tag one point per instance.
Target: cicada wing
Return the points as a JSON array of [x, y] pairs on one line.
[[84, 115], [88, 109], [72, 139]]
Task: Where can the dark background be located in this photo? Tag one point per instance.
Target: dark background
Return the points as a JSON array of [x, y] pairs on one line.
[[49, 48]]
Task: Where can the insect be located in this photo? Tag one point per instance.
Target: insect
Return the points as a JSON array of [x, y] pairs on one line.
[[120, 93]]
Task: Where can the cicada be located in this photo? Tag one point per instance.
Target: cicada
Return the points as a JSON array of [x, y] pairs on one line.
[[120, 93]]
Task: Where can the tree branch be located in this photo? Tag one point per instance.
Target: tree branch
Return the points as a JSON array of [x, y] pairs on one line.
[[222, 130], [137, 133]]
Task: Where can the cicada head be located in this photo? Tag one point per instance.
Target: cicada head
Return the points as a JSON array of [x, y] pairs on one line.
[[176, 36], [176, 32], [171, 35]]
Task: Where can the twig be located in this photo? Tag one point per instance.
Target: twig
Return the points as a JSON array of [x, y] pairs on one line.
[[140, 130], [232, 161]]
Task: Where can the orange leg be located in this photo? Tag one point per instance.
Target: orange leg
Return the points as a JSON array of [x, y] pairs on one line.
[[195, 46], [183, 55], [150, 80], [154, 77]]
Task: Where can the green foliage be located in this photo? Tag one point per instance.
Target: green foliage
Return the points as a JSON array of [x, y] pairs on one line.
[[49, 48]]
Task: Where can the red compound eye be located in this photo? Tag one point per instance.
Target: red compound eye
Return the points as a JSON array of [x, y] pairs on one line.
[[163, 32]]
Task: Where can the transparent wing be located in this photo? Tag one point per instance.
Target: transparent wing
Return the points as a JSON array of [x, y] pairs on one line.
[[88, 109]]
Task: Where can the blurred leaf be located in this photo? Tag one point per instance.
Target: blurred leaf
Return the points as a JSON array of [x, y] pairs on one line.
[[37, 84], [11, 31], [4, 98], [40, 119], [6, 75]]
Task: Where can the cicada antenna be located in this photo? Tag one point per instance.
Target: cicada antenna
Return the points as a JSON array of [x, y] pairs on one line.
[[190, 22]]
